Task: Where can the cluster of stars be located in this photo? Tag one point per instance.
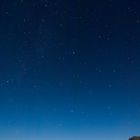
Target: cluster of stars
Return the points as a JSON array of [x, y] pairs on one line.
[[69, 64]]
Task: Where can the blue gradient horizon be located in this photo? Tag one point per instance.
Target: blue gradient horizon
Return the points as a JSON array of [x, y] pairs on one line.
[[69, 69]]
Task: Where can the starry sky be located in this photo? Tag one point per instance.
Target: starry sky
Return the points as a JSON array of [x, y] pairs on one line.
[[69, 69]]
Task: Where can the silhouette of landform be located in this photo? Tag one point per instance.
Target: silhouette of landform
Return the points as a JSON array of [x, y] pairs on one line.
[[135, 138]]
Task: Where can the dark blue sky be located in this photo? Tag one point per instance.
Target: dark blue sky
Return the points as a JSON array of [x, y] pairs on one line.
[[69, 69]]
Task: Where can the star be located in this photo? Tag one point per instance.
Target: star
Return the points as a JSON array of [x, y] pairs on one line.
[[73, 52]]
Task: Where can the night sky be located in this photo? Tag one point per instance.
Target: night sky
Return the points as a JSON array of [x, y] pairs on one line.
[[69, 69]]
